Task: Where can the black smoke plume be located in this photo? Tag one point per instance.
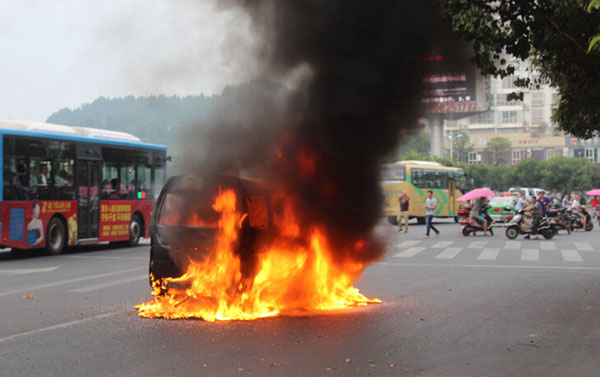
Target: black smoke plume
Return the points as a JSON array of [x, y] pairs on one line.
[[357, 68]]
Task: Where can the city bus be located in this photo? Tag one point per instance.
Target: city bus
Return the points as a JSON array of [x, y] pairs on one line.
[[416, 178], [65, 186]]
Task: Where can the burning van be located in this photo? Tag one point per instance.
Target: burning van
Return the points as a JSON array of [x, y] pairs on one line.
[[185, 224]]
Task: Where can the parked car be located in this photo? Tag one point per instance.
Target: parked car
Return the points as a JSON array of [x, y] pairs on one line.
[[528, 191], [502, 208]]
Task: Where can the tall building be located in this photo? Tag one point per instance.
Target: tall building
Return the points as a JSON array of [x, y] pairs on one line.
[[527, 124]]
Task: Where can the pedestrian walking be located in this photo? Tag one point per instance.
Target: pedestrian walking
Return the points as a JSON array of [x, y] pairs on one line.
[[403, 215], [430, 207]]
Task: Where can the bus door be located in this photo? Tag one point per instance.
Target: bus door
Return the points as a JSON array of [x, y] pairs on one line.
[[88, 190], [451, 197]]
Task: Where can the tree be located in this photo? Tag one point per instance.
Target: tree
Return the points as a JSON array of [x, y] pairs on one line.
[[553, 35], [594, 4], [416, 146], [498, 151], [461, 146]]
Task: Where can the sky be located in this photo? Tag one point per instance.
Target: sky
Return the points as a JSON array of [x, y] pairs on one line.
[[64, 53]]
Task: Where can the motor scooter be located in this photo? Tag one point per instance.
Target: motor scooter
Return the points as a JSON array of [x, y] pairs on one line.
[[522, 223], [559, 219], [471, 225], [577, 220]]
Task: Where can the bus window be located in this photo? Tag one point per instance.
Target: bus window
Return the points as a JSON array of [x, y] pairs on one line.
[[111, 186], [158, 180], [393, 172], [38, 169], [144, 179]]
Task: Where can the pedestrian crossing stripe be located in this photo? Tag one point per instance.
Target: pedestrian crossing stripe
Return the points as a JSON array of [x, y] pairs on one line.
[[489, 254], [492, 254], [530, 255], [409, 253]]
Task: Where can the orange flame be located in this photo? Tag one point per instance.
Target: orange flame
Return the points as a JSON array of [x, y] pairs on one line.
[[290, 275]]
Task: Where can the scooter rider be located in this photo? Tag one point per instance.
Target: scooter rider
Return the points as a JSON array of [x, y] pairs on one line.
[[475, 213], [536, 210], [576, 208]]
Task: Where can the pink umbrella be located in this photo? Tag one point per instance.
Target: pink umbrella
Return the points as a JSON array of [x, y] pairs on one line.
[[477, 193], [595, 192]]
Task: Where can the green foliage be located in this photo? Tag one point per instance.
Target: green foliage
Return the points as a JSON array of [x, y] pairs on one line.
[[563, 174], [553, 35], [415, 146], [155, 119], [594, 4], [461, 146], [498, 151]]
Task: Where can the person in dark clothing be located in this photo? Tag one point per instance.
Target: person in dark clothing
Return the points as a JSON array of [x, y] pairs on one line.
[[536, 210]]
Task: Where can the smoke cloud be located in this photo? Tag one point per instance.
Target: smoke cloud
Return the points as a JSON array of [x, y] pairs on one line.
[[340, 81]]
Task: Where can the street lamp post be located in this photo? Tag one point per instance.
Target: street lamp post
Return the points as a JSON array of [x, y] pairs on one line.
[[452, 138]]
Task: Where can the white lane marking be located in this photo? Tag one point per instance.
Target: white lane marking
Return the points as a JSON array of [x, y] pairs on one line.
[[571, 256], [103, 257], [477, 245], [409, 253], [512, 245], [407, 244], [499, 266], [489, 254], [109, 284], [442, 244], [449, 253], [62, 282], [530, 255], [584, 246], [548, 245], [59, 326], [28, 270]]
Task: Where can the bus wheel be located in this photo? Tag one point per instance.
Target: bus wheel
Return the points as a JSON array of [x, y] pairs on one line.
[[135, 231], [55, 236], [456, 219], [421, 220]]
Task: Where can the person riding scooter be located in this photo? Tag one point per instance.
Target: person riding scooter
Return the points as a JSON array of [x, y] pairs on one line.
[[536, 210], [478, 206]]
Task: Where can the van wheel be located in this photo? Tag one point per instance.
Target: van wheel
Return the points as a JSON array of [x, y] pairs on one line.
[[55, 236], [421, 220], [392, 220], [135, 231]]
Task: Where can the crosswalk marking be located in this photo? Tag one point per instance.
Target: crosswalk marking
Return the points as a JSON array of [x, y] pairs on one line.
[[409, 253], [477, 245], [584, 246], [449, 253], [530, 255], [407, 244], [442, 244], [489, 254], [513, 245], [548, 245], [570, 255]]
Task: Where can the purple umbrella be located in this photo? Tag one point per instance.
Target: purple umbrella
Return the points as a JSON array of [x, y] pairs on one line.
[[594, 192], [477, 193]]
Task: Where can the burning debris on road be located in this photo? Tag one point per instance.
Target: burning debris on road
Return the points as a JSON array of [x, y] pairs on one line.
[[356, 69]]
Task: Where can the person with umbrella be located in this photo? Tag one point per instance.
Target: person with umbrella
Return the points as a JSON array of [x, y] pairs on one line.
[[476, 213]]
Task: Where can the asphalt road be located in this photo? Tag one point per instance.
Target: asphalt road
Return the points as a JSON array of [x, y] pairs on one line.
[[452, 306]]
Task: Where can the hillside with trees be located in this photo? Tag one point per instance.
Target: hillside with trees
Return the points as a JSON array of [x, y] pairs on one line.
[[155, 119]]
